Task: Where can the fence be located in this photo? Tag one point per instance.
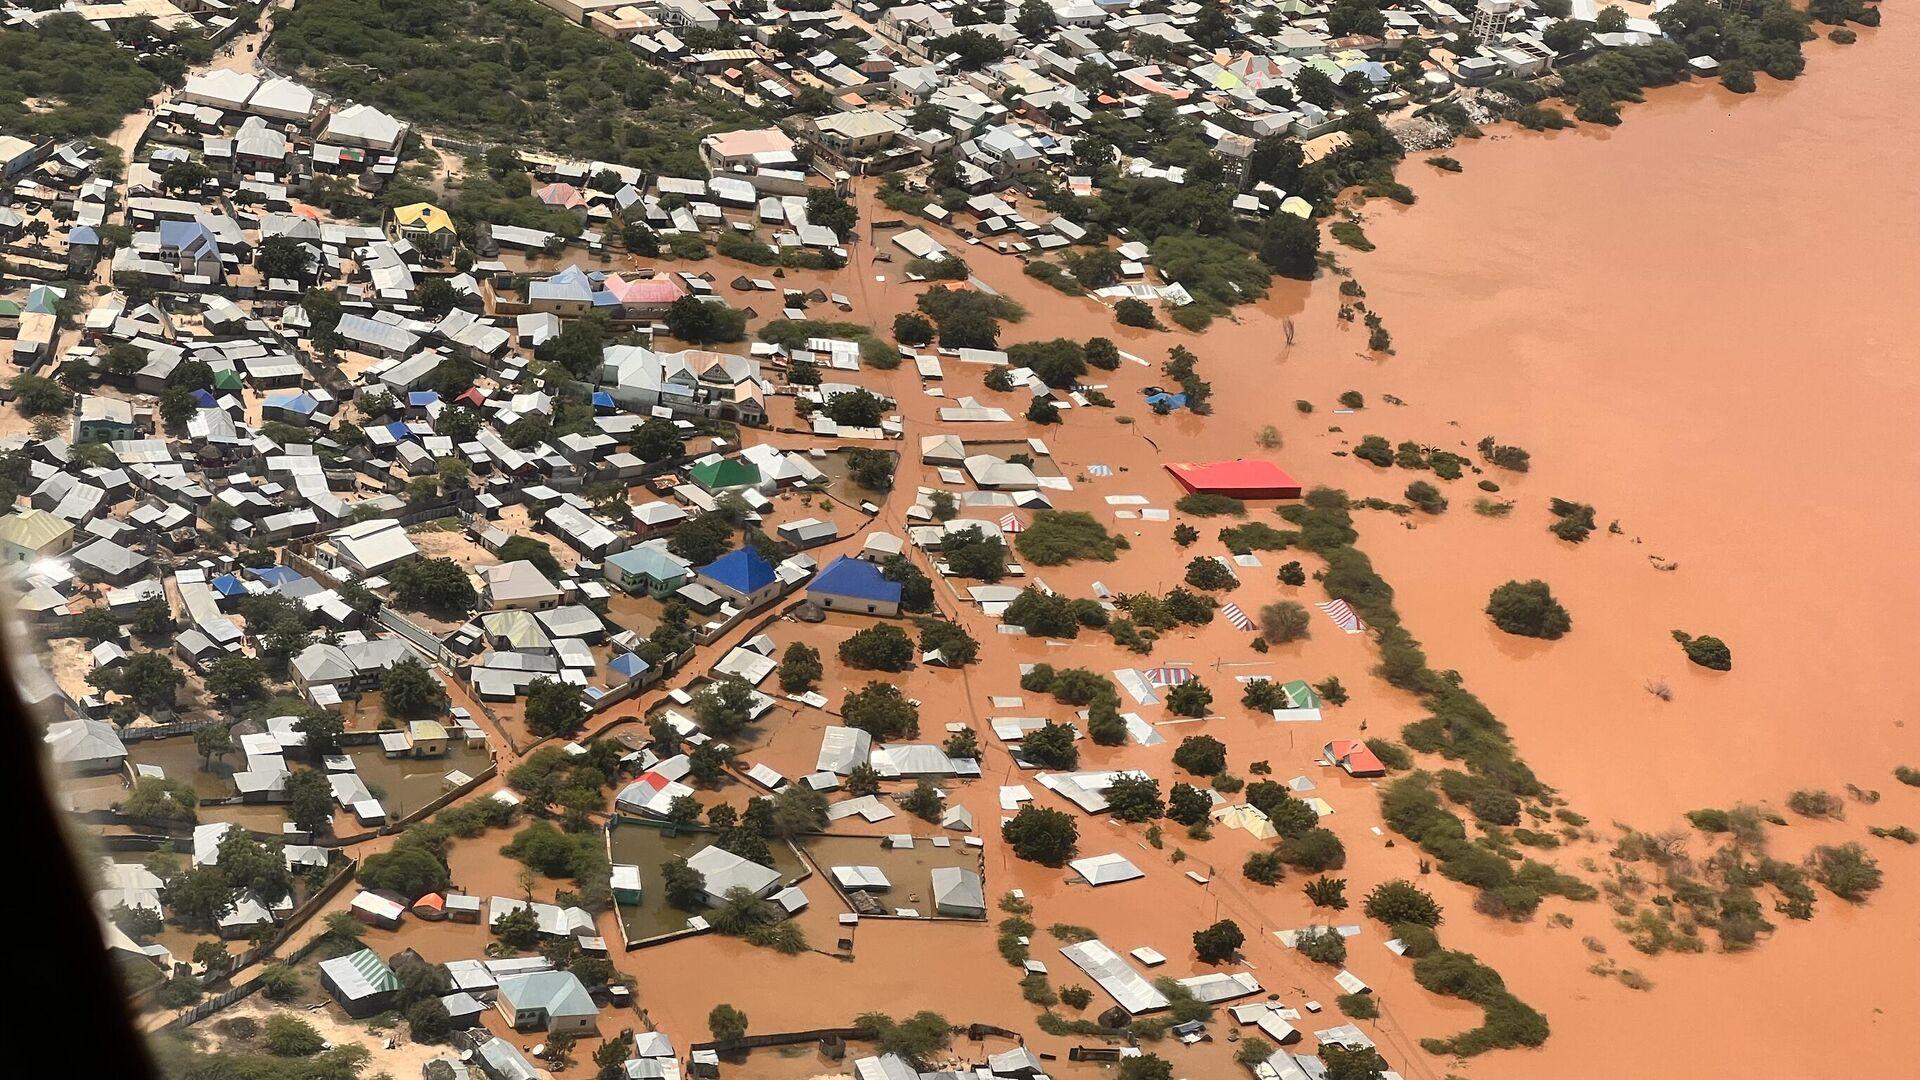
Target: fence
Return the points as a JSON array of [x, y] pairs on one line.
[[327, 891]]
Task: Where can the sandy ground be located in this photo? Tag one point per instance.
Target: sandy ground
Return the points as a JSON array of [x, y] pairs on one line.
[[406, 1058]]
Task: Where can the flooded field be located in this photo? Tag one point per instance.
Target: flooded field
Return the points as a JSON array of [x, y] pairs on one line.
[[181, 760], [650, 849], [405, 784], [909, 870]]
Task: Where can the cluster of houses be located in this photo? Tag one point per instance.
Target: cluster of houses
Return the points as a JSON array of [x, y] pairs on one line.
[[215, 20]]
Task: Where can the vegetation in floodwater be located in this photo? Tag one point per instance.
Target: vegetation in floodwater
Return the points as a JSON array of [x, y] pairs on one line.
[[1444, 163]]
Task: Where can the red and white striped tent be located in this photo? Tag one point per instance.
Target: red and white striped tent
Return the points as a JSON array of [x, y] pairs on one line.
[[1343, 616], [1012, 524], [1235, 616], [1169, 675]]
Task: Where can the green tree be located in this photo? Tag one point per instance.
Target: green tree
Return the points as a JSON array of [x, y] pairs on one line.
[[213, 741], [309, 800], [881, 710], [727, 1023], [1217, 943], [554, 709], [411, 691], [1400, 901], [1045, 836], [1528, 609], [878, 648], [1135, 798], [235, 679], [800, 668]]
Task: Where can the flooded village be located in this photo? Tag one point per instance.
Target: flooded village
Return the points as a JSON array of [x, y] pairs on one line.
[[597, 539]]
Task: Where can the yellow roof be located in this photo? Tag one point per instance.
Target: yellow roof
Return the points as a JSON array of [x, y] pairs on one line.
[[424, 216], [33, 529]]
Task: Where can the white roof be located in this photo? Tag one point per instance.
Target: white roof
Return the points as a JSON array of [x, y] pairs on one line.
[[1107, 869], [1117, 977]]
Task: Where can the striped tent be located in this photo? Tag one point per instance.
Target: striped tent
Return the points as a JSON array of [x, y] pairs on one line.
[[1235, 616], [1343, 616], [1171, 675], [1012, 524], [1099, 470]]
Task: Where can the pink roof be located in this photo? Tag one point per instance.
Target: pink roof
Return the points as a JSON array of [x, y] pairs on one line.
[[561, 195], [746, 143], [660, 290]]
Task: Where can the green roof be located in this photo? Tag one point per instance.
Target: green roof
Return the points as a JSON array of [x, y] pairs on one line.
[[227, 380], [725, 473]]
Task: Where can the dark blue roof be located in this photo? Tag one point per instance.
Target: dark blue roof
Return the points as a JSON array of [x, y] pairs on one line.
[[743, 571], [399, 430], [858, 578], [228, 585], [602, 400], [203, 399]]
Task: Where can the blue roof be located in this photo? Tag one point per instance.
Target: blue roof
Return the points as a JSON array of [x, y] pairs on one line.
[[274, 575], [228, 585], [399, 430], [83, 234], [1171, 401], [603, 400], [743, 571], [628, 664], [858, 578], [189, 237], [296, 401], [204, 399], [422, 397]]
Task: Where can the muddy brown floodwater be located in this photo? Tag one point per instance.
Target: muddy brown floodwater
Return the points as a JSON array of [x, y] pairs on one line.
[[1702, 323]]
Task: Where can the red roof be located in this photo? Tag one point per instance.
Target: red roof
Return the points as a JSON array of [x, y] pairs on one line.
[[1353, 756], [1245, 478]]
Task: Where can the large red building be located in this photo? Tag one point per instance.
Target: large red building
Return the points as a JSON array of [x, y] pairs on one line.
[[1242, 478]]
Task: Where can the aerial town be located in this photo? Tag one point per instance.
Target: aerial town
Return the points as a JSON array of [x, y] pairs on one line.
[[803, 539]]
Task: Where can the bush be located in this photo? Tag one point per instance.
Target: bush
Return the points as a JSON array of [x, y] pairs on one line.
[[1847, 870], [1816, 804], [1131, 312], [1284, 622], [1391, 754], [1426, 497], [1201, 755], [1206, 572], [878, 648], [1322, 945], [1706, 650], [1358, 1006], [290, 1036], [1204, 504], [1400, 902], [1315, 850], [1572, 522], [1057, 537], [1263, 868], [1528, 609], [1328, 893], [1078, 997]]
